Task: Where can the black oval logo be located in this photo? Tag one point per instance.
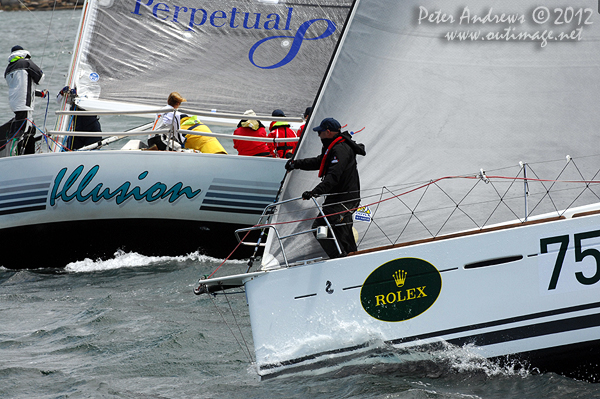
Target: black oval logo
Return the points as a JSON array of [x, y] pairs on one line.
[[400, 289]]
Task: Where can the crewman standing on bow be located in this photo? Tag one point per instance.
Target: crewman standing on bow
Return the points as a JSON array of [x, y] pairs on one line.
[[339, 181]]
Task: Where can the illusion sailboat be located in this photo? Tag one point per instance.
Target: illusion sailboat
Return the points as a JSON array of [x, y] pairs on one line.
[[224, 57]]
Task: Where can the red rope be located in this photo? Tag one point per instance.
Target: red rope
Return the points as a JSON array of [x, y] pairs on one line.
[[229, 256], [426, 185]]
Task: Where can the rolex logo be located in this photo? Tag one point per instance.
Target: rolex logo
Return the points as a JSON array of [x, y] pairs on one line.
[[400, 277]]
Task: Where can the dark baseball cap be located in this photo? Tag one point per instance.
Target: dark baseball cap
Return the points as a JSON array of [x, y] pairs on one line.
[[328, 123]]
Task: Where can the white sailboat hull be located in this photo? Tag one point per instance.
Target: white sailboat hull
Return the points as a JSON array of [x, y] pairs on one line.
[[503, 304], [61, 207]]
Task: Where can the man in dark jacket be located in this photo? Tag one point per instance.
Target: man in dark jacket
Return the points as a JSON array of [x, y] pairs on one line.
[[339, 180], [22, 75]]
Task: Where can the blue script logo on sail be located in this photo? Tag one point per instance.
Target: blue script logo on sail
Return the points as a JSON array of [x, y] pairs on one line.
[[235, 19], [69, 191]]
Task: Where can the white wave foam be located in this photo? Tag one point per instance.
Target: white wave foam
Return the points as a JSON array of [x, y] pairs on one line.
[[132, 259]]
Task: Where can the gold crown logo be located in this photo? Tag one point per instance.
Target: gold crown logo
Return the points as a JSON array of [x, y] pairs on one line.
[[400, 277]]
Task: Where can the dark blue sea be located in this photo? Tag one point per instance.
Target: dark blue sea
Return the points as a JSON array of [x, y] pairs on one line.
[[131, 327]]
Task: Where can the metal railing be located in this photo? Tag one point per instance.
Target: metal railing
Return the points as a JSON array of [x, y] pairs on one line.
[[264, 225], [172, 130]]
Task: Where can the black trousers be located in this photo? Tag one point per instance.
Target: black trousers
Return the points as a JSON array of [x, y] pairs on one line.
[[342, 227], [85, 124], [18, 124], [18, 128]]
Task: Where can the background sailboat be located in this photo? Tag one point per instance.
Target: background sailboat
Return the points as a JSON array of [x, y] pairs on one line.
[[228, 57]]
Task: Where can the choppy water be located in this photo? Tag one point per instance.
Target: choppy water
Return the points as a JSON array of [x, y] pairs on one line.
[[130, 327]]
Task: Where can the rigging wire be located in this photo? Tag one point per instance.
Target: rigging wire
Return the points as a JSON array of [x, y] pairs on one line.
[[46, 113], [228, 326], [61, 41], [10, 140], [48, 33], [432, 182], [47, 137], [238, 326], [229, 256], [479, 177]]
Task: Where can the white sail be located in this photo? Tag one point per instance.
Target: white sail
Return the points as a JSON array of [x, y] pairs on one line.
[[481, 177], [228, 56], [449, 89]]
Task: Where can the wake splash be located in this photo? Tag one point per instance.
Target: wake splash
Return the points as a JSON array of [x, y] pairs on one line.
[[432, 361], [124, 259]]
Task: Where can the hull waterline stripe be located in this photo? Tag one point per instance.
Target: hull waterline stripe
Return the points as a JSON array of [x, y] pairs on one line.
[[23, 195], [240, 197], [20, 210], [244, 190], [310, 357], [274, 186], [231, 210], [24, 188], [495, 323], [553, 327], [235, 203], [23, 203], [530, 331]]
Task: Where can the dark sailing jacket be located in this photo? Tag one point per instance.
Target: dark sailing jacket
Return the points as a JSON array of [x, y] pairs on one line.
[[339, 171]]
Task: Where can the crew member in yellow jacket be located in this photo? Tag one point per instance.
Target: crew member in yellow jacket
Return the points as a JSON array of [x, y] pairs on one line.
[[209, 145]]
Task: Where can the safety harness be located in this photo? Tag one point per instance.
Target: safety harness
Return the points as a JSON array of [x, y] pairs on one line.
[[339, 139]]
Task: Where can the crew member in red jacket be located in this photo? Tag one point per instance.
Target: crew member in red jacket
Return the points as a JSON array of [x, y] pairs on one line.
[[251, 127], [280, 130], [306, 115]]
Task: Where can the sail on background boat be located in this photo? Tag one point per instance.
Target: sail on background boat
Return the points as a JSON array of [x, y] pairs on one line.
[[519, 85], [228, 55]]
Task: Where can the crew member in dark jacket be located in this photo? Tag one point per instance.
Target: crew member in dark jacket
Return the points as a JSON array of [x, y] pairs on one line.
[[83, 123], [339, 179]]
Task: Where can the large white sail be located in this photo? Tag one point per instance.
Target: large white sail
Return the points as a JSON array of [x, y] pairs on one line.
[[225, 55], [448, 88]]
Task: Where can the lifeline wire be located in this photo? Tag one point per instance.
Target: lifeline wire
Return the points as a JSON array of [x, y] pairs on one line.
[[433, 182], [397, 196]]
